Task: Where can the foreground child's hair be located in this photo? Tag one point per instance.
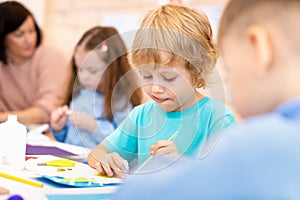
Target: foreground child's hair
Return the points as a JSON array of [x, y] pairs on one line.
[[237, 14]]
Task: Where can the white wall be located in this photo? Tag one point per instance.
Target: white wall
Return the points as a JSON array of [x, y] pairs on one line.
[[67, 20]]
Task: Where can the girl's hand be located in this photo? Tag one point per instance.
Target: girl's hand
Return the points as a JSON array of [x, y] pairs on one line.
[[83, 121], [112, 163], [163, 147], [59, 118]]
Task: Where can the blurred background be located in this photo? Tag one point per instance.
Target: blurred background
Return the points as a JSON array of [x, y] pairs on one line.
[[63, 22]]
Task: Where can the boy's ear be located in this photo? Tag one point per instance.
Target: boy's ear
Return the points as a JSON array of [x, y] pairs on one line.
[[262, 48]]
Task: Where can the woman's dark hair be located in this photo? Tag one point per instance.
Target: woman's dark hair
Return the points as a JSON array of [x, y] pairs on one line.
[[12, 16], [115, 55]]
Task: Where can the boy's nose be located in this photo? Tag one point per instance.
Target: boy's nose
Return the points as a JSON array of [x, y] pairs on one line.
[[157, 88]]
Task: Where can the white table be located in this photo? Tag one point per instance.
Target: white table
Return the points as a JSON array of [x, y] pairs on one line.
[[36, 193]]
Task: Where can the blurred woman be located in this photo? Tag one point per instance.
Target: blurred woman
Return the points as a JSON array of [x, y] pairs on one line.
[[33, 77]]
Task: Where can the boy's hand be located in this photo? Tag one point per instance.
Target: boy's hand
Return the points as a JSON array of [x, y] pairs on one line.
[[112, 163], [83, 121], [59, 118], [163, 147]]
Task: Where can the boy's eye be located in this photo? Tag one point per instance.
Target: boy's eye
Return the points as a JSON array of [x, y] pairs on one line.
[[146, 76], [169, 79]]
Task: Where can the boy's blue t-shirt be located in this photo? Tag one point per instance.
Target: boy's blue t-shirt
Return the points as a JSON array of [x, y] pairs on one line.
[[148, 123]]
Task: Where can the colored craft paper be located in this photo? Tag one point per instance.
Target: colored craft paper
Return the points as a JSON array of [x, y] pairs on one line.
[[47, 150]]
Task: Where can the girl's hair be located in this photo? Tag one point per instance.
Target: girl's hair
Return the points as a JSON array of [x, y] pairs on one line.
[[184, 33], [12, 16], [114, 53]]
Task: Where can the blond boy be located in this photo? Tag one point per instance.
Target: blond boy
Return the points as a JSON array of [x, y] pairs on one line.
[[174, 56]]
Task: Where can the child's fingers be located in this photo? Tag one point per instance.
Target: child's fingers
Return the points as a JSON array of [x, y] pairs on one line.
[[162, 151], [118, 160], [171, 149], [118, 171], [68, 111], [65, 108], [62, 111], [114, 162], [55, 114], [106, 167], [99, 168], [58, 119], [59, 113], [159, 144]]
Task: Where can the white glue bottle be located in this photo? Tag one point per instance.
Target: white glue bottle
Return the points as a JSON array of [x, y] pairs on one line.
[[12, 143]]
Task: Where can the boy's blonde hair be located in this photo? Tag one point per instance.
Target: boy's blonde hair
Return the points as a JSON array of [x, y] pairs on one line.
[[181, 31]]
